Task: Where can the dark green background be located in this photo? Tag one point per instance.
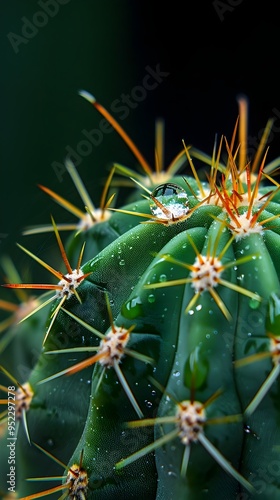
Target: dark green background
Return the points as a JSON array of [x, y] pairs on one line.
[[104, 47]]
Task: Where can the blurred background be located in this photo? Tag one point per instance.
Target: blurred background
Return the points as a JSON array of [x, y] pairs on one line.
[[199, 56]]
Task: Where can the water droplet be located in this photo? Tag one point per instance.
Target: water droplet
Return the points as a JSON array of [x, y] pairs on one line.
[[132, 308], [248, 430], [169, 201], [151, 298], [168, 189], [171, 473], [176, 374], [254, 304], [162, 278], [121, 262]]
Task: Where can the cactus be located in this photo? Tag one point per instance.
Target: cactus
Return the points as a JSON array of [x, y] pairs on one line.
[[158, 374]]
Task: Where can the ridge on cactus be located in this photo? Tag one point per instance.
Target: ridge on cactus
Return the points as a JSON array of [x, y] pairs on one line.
[[158, 372]]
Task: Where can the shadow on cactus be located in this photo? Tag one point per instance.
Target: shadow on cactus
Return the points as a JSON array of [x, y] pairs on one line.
[[158, 375]]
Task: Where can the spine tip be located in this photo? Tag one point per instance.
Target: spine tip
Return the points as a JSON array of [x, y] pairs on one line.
[[89, 97]]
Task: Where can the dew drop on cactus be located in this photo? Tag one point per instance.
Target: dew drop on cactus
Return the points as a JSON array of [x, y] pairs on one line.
[[158, 370], [169, 202]]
